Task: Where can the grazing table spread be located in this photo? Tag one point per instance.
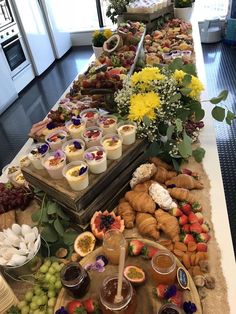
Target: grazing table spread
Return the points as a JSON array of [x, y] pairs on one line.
[[192, 254]]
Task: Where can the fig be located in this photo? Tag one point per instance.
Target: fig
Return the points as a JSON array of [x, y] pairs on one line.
[[134, 274]]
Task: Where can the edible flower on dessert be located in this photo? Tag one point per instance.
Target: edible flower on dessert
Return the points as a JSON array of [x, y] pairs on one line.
[[43, 149], [77, 145]]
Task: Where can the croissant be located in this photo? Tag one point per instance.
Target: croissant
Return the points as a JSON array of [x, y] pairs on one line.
[[127, 213], [159, 163], [168, 224], [143, 187], [185, 181], [141, 202], [182, 195], [147, 225], [162, 175], [142, 174]]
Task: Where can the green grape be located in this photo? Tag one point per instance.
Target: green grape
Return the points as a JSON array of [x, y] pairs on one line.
[[51, 293], [39, 301], [38, 291], [51, 302], [50, 310], [58, 284], [47, 277], [25, 309], [43, 269], [44, 299], [55, 265], [61, 266], [29, 296], [53, 279], [34, 299], [47, 262], [33, 306], [51, 270], [21, 304]]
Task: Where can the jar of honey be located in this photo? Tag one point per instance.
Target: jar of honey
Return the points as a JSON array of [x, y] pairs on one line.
[[163, 266]]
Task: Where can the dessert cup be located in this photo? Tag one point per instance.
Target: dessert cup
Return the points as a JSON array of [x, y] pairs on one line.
[[54, 163], [11, 171], [75, 127], [107, 123], [76, 174], [24, 161], [113, 145], [96, 158], [19, 180], [36, 154], [74, 149], [90, 116], [92, 136], [56, 139], [127, 130]]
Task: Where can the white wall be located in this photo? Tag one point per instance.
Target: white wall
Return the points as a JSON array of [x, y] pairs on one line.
[[82, 38]]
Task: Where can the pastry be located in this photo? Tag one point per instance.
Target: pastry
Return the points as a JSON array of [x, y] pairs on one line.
[[142, 174], [141, 202], [143, 187], [147, 225], [161, 196], [185, 181], [181, 194], [127, 213], [168, 224], [162, 175]]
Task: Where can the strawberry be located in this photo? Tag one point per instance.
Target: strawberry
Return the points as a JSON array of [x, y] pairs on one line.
[[161, 290], [196, 228], [202, 247], [186, 228], [177, 299], [90, 305], [149, 251], [183, 220], [199, 217], [205, 227], [75, 307], [197, 207], [176, 212], [186, 208], [135, 247], [192, 218], [203, 237], [186, 238]]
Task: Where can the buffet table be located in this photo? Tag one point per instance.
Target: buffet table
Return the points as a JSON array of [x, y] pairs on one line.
[[212, 167]]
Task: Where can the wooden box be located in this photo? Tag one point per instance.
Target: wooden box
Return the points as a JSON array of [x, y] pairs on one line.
[[103, 191]]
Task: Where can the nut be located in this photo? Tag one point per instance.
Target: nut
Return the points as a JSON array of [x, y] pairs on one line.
[[186, 261], [210, 281], [202, 292], [199, 281], [204, 266]]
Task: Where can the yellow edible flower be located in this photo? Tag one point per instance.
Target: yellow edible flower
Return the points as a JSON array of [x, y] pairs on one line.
[[147, 75], [107, 33], [179, 75], [96, 33], [143, 105], [196, 86]]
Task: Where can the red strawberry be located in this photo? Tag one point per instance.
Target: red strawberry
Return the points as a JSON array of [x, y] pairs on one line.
[[186, 228], [196, 228], [90, 305], [205, 227], [202, 247], [75, 307], [161, 290], [199, 217], [197, 207], [177, 299], [176, 212], [183, 220], [203, 237], [186, 208], [135, 247], [192, 218], [186, 238], [149, 251]]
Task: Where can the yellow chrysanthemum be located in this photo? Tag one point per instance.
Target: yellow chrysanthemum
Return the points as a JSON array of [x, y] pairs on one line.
[[196, 86], [179, 75], [96, 33], [147, 75], [143, 105], [107, 33]]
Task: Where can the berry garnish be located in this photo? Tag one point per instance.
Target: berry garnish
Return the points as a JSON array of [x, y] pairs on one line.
[[89, 115], [170, 292]]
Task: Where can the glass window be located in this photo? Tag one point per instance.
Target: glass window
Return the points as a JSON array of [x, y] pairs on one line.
[[210, 9]]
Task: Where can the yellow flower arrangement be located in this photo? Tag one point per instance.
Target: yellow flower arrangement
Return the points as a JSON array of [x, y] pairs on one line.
[[142, 105], [107, 33], [147, 75], [179, 75], [99, 37]]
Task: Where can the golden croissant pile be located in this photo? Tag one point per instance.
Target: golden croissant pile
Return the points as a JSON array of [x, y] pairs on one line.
[[139, 209]]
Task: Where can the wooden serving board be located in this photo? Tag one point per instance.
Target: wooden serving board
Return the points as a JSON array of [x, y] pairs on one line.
[[147, 302]]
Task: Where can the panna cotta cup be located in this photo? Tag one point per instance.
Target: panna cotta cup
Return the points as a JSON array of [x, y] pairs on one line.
[[90, 116], [54, 164], [107, 123], [127, 129], [37, 153], [11, 171], [76, 174], [75, 127], [92, 136], [24, 161], [56, 139], [96, 158], [74, 149], [19, 180], [113, 146]]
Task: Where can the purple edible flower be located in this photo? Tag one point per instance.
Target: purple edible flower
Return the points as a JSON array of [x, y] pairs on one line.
[[97, 266], [170, 292], [82, 170], [51, 125], [58, 153], [103, 258], [62, 310], [76, 121], [89, 156], [77, 145], [171, 186], [189, 307], [42, 149]]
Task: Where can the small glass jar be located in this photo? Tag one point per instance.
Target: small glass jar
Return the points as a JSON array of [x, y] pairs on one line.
[[55, 140], [107, 123], [75, 127], [75, 279], [92, 136], [54, 163], [74, 149], [107, 297], [164, 267], [127, 130], [76, 174], [113, 145], [96, 158], [113, 240], [90, 116], [169, 308], [37, 153]]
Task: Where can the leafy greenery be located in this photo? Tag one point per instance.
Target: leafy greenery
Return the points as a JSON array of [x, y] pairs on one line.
[[98, 40], [115, 8], [183, 3]]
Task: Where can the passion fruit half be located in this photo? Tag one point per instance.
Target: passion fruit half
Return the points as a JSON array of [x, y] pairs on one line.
[[134, 274], [84, 243]]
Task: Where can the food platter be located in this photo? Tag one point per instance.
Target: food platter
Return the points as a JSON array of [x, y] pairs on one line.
[[147, 302]]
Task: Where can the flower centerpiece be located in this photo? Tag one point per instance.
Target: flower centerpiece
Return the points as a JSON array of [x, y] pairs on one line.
[[183, 9], [98, 39], [165, 104], [116, 8]]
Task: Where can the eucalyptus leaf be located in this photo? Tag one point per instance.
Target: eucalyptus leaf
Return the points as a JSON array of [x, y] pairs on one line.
[[154, 149], [44, 215], [199, 154], [222, 96], [177, 64], [199, 114], [190, 69], [49, 234], [179, 125], [175, 97], [61, 214], [230, 117], [176, 164], [36, 215], [185, 147], [170, 131], [185, 91], [69, 237], [218, 113], [51, 208], [58, 227], [187, 80], [146, 121]]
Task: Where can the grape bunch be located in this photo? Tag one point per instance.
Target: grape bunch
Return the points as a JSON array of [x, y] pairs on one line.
[[14, 197], [192, 128], [42, 298]]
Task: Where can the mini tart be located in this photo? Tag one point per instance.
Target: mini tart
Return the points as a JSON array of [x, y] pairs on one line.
[[54, 162], [111, 143], [73, 174], [127, 128], [56, 137], [92, 134]]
